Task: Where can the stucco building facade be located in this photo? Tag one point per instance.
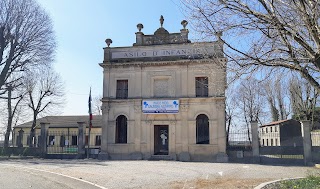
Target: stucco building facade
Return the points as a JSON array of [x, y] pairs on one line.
[[164, 98]]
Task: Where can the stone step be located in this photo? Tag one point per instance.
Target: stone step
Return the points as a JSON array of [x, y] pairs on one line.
[[161, 157]]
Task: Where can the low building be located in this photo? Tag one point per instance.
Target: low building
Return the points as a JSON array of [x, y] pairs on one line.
[[164, 98], [62, 133], [281, 133]]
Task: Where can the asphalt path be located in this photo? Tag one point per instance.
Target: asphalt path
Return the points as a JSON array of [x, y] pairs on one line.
[[41, 173], [20, 177]]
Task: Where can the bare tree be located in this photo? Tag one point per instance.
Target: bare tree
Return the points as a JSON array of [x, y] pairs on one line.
[[251, 101], [14, 101], [26, 37], [276, 92], [276, 34], [45, 94], [303, 99]]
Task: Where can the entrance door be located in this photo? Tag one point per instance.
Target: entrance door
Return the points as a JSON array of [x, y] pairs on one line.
[[161, 140]]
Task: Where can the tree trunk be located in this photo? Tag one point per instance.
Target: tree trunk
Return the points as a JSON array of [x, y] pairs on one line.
[[10, 117], [32, 131]]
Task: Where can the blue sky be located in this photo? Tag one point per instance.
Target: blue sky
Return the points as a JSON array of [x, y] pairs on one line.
[[81, 27]]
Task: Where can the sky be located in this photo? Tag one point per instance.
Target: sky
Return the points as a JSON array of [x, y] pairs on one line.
[[81, 27]]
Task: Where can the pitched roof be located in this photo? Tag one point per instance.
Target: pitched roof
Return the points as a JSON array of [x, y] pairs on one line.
[[276, 122], [64, 121]]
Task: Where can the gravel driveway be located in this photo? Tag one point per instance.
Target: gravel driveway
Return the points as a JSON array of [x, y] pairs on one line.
[[164, 174]]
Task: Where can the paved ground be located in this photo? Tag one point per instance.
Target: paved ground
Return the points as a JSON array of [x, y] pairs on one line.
[[159, 174]]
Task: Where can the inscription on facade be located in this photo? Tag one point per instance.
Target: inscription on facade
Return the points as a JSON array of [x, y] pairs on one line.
[[159, 53]]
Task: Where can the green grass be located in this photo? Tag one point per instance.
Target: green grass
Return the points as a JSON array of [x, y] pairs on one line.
[[310, 182]]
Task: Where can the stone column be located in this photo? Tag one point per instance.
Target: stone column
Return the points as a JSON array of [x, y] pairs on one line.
[[44, 135], [255, 142], [81, 138], [103, 155], [306, 135]]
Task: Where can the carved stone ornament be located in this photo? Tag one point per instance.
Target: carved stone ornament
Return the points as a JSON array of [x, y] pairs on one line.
[[105, 109], [140, 27], [137, 109], [148, 122], [184, 107], [161, 20], [173, 122]]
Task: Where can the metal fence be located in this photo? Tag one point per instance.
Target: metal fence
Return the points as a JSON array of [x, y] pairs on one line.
[[59, 142], [239, 140], [315, 138]]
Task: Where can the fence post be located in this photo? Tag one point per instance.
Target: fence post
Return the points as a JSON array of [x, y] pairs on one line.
[[81, 138], [306, 135], [255, 142], [44, 133], [20, 138]]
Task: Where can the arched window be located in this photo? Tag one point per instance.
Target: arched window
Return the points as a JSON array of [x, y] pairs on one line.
[[121, 129], [202, 129]]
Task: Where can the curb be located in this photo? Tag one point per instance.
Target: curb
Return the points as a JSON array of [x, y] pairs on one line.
[[265, 184]]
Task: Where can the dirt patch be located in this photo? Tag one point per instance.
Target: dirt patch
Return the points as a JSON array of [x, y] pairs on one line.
[[221, 183]]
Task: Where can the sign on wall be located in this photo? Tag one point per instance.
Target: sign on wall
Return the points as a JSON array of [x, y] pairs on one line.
[[160, 106]]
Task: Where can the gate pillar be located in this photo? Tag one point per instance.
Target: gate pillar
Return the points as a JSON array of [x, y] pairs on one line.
[[255, 142], [81, 138], [43, 139], [306, 135]]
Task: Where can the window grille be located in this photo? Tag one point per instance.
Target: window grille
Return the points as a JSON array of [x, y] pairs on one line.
[[202, 129], [202, 86], [98, 140], [122, 89], [74, 140], [51, 140], [121, 129]]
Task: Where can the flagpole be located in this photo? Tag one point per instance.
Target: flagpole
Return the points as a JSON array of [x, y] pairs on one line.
[[90, 124], [88, 149]]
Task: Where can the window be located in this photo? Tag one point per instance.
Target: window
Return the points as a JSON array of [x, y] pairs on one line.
[[267, 142], [201, 86], [28, 140], [266, 129], [121, 129], [276, 142], [98, 140], [271, 142], [62, 140], [202, 131], [271, 129], [74, 140], [51, 140], [87, 139], [122, 89], [275, 129], [262, 142]]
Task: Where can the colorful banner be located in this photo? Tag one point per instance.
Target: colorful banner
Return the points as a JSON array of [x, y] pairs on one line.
[[160, 106]]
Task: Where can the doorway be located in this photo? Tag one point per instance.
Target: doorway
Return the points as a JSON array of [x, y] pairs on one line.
[[161, 140]]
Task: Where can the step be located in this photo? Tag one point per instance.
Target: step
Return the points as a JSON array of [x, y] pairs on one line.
[[161, 157]]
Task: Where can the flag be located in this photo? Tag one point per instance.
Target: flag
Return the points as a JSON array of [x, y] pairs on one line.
[[90, 111]]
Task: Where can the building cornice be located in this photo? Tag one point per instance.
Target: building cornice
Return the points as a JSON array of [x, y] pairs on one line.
[[162, 63]]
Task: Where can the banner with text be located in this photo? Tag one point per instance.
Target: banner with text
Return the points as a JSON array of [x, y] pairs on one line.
[[160, 106]]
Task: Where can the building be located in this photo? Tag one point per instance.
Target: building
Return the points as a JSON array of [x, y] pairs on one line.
[[164, 98], [281, 133], [62, 133]]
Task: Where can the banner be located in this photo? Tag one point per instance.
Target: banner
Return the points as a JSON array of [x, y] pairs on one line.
[[160, 106]]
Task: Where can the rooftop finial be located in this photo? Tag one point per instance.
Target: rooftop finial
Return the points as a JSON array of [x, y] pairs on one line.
[[161, 20]]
